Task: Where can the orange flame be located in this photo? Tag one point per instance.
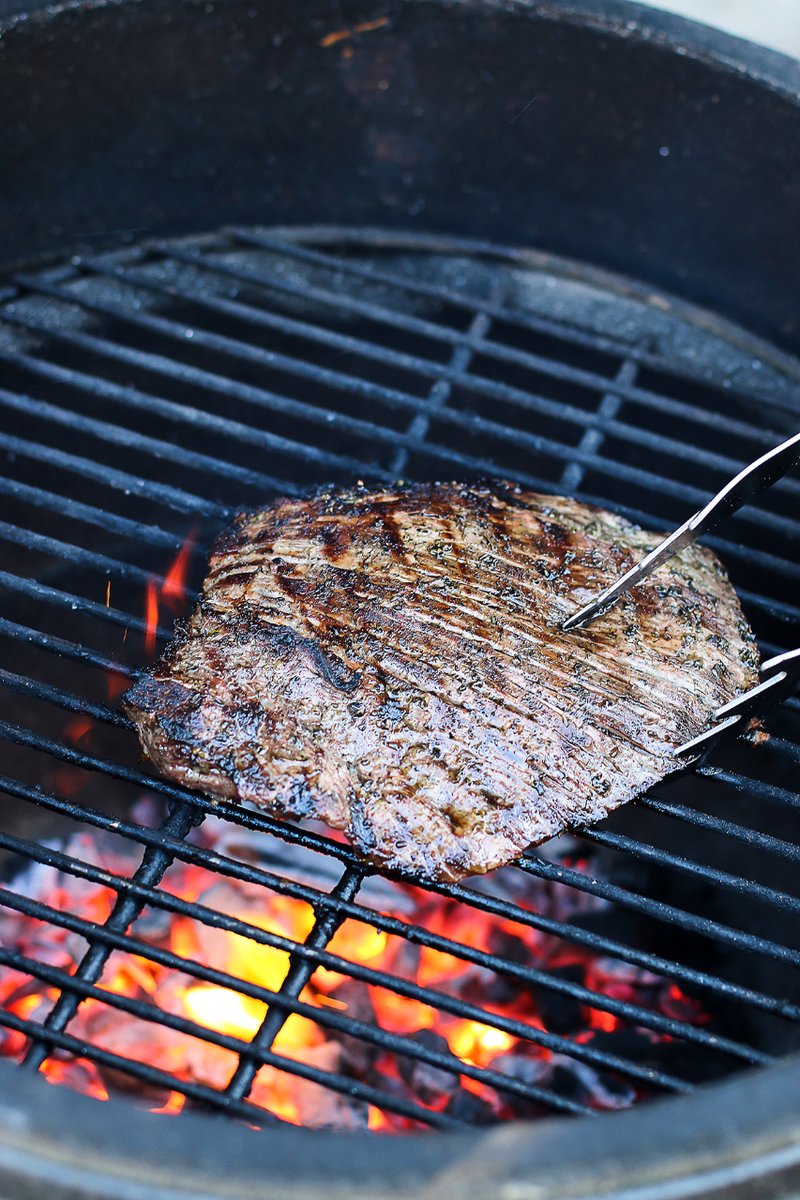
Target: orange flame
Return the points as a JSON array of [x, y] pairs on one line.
[[187, 1056], [173, 592], [151, 617]]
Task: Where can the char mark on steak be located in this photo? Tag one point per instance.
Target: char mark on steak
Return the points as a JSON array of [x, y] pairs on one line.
[[393, 663]]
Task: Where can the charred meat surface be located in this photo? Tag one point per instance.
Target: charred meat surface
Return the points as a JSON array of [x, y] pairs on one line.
[[392, 663]]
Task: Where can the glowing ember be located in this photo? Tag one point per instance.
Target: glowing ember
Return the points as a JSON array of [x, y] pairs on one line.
[[417, 992], [207, 1005]]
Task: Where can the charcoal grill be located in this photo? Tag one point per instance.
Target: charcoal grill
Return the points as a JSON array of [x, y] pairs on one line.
[[154, 379]]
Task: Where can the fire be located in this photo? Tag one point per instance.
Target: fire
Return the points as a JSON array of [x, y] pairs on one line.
[[76, 729], [207, 1005], [226, 1011], [172, 593], [151, 617], [479, 1044]]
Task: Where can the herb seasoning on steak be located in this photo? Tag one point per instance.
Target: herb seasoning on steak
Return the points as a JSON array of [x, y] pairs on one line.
[[392, 663]]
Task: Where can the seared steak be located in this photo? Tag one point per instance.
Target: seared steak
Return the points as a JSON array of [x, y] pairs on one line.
[[392, 663]]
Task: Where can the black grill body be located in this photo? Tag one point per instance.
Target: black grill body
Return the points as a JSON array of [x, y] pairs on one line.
[[623, 138], [159, 386]]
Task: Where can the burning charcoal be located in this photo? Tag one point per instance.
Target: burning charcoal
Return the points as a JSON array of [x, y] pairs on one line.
[[154, 925], [584, 1083], [504, 989], [148, 810], [687, 1060], [304, 865], [405, 963], [319, 1107], [635, 1044], [527, 1069], [676, 1004], [622, 979], [429, 1083], [471, 1109], [560, 1012], [552, 899], [356, 1056]]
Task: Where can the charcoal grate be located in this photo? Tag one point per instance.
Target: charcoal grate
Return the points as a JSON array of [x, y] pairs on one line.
[[157, 389]]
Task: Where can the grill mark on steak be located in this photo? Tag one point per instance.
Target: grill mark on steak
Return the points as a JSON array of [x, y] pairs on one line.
[[393, 663]]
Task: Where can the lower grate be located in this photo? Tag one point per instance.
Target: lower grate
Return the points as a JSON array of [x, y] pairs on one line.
[[180, 951]]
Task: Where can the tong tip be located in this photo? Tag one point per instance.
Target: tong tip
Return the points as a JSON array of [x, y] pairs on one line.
[[583, 616]]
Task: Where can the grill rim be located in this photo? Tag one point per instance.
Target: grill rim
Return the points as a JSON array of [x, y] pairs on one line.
[[729, 1139], [24, 1158]]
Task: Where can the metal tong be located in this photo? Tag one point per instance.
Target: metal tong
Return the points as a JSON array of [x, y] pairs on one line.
[[779, 675]]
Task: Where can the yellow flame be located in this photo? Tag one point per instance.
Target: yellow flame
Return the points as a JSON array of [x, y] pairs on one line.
[[477, 1043]]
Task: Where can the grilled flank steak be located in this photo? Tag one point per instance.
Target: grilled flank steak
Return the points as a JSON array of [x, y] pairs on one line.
[[392, 663]]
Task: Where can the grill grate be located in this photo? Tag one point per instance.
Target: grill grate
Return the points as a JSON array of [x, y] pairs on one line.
[[169, 384]]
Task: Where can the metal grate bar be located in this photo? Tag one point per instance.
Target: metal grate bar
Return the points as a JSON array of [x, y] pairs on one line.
[[601, 944], [533, 865], [441, 390], [491, 389], [562, 331], [753, 837], [89, 514], [71, 553], [777, 609], [122, 481], [220, 343], [784, 746], [598, 943], [50, 595], [185, 414], [317, 957], [350, 344], [529, 864], [734, 883], [65, 649], [146, 1012], [463, 895], [189, 458], [128, 439], [322, 1016], [101, 712], [76, 554], [300, 971], [756, 787], [49, 1039], [23, 685], [440, 417], [594, 436], [318, 899], [440, 393], [782, 610], [155, 860]]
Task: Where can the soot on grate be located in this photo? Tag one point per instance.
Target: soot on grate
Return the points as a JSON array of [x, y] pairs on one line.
[[178, 951]]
